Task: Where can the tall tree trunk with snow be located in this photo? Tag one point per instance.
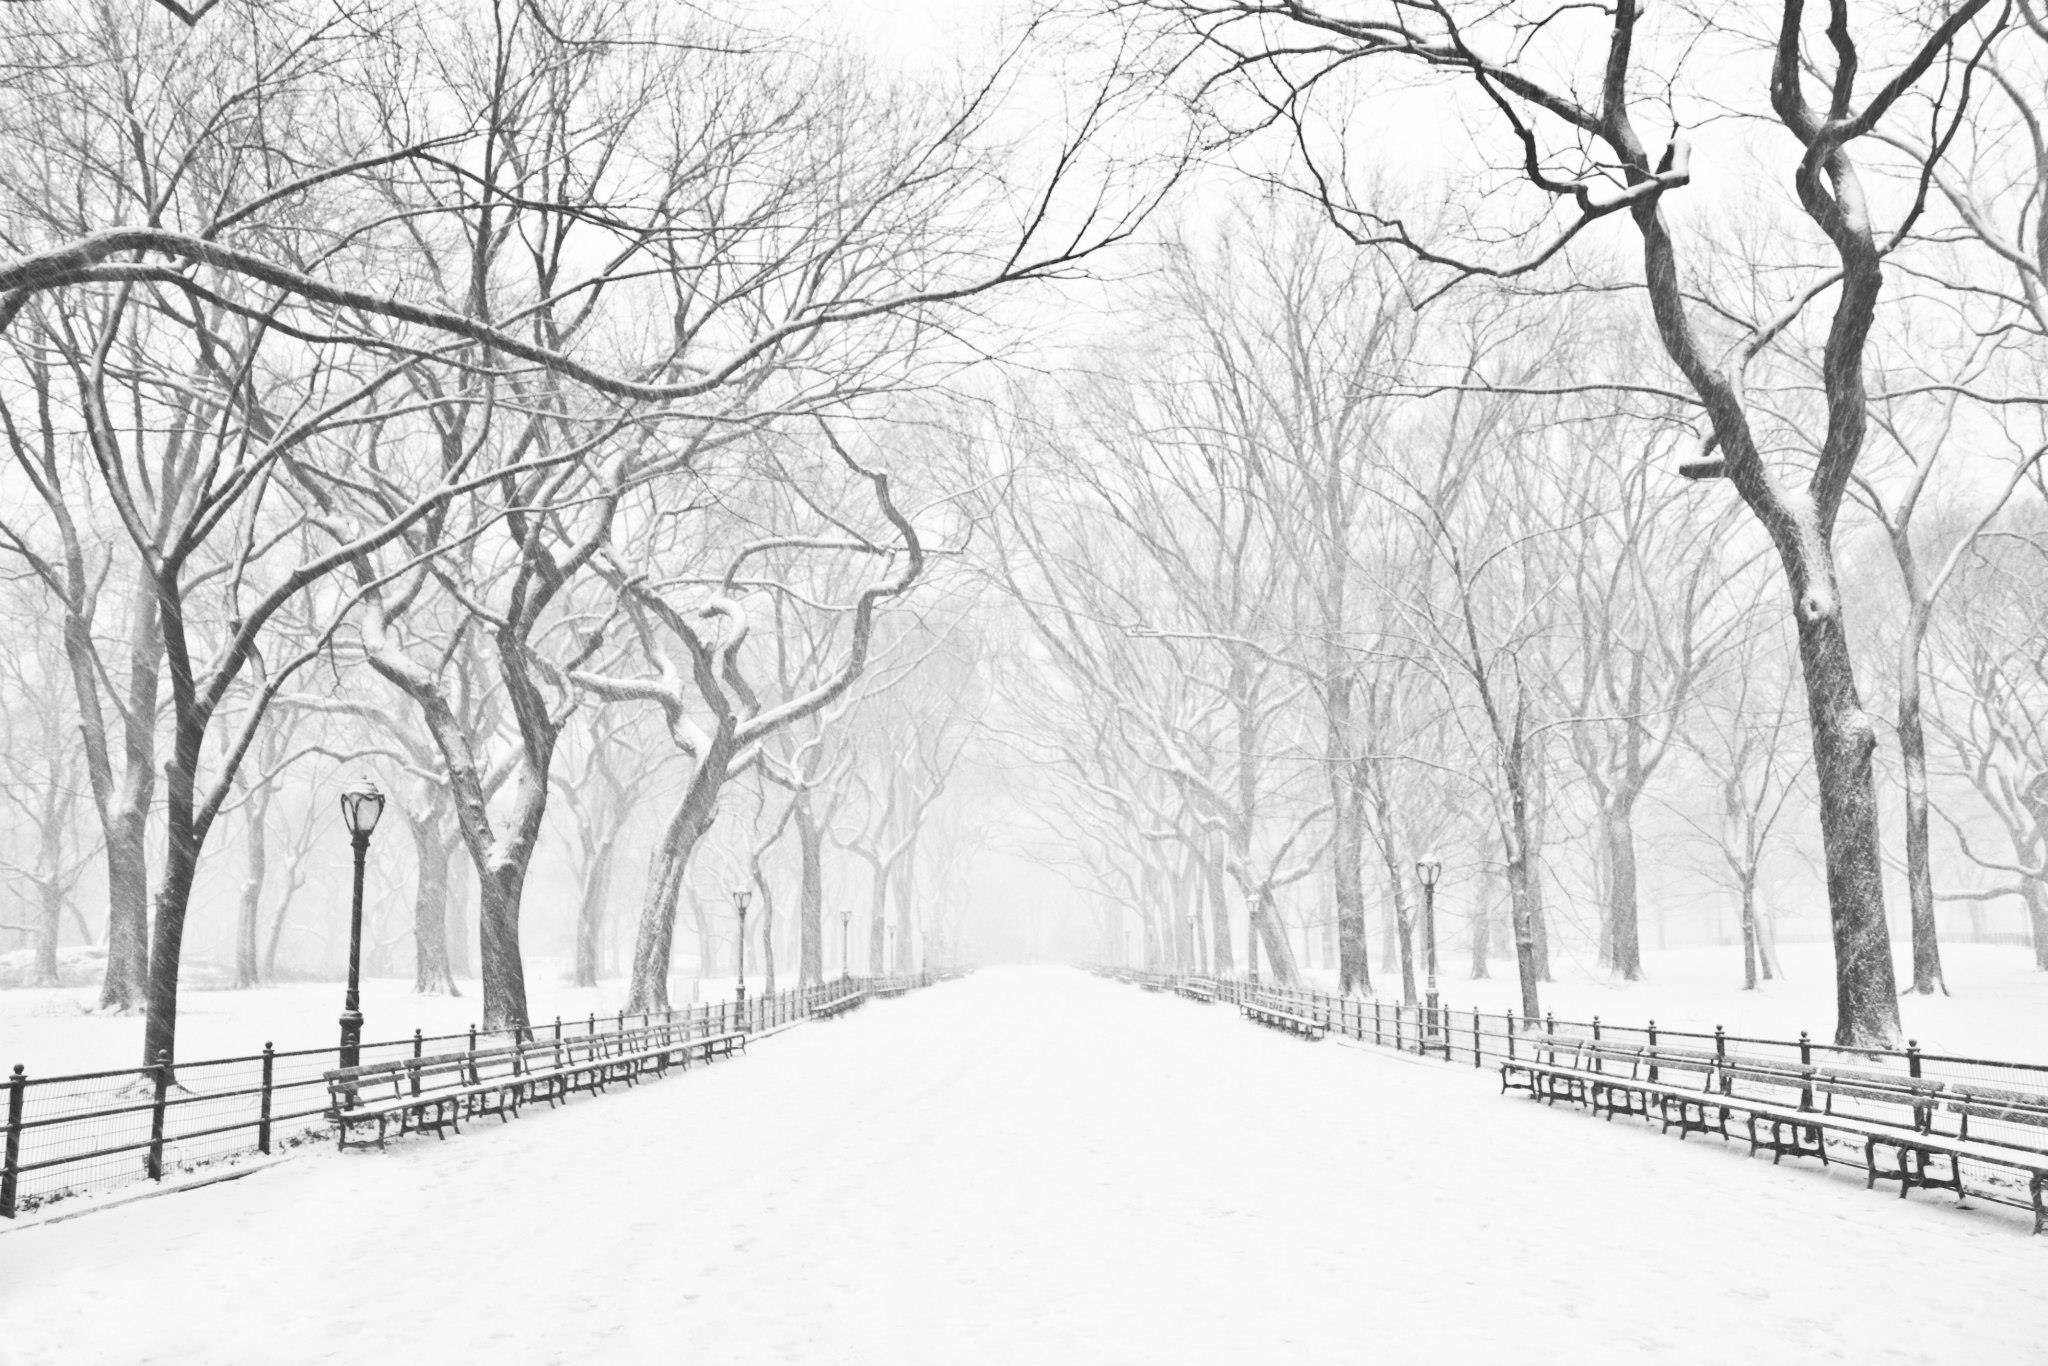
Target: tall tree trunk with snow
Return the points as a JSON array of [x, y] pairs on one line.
[[810, 834], [123, 781], [591, 901], [654, 942], [432, 848], [1404, 921], [248, 962], [878, 919], [1479, 931], [1752, 949], [1621, 926], [1218, 898], [1523, 909], [1272, 935], [1347, 858], [1927, 974], [2034, 892], [49, 929]]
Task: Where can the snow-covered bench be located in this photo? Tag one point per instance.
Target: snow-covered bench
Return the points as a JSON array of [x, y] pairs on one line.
[[839, 1006], [1792, 1108], [1266, 1013], [437, 1093], [1197, 989]]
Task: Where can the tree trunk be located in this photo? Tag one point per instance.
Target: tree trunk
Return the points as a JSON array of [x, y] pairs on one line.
[[1751, 950], [433, 974], [878, 917], [654, 942], [810, 837], [502, 891], [248, 966], [1404, 919], [1927, 975], [1347, 849], [1618, 845], [1219, 914], [1844, 741], [49, 927], [1521, 897], [461, 932], [1273, 935], [1480, 928], [2036, 895], [590, 908], [126, 985], [123, 801]]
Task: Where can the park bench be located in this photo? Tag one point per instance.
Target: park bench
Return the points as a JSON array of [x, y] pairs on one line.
[[1276, 1017], [437, 1093], [1792, 1108], [414, 1093], [1195, 989], [839, 1006]]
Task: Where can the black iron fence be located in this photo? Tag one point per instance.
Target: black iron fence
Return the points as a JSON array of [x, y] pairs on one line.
[[1476, 1038], [69, 1135]]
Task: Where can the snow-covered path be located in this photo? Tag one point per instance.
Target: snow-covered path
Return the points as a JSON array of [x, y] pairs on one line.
[[1034, 1166]]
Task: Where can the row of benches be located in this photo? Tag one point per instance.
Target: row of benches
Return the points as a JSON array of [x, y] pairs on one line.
[[1791, 1109], [437, 1093], [1276, 1016]]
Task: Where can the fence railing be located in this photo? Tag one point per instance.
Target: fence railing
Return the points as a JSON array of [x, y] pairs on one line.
[[68, 1135], [1474, 1037]]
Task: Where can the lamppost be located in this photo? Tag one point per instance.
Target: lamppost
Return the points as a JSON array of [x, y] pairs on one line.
[[361, 805], [740, 897], [845, 942], [1429, 869]]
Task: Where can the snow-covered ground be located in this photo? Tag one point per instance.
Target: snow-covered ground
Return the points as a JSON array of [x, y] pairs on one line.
[[53, 1030], [1997, 1006], [1034, 1166]]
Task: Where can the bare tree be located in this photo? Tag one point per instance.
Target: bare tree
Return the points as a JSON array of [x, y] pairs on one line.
[[1568, 109]]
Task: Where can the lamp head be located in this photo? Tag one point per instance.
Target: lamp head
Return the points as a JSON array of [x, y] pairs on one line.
[[1429, 868], [740, 897], [361, 805]]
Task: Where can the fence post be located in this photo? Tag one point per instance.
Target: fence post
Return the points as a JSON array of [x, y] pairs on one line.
[[1721, 1057], [1399, 1022], [263, 1119], [1923, 1115], [1476, 1043], [153, 1163], [1598, 1065], [1507, 1019], [1652, 1031], [472, 1042], [1376, 1020], [558, 1029], [1806, 1072], [10, 1167]]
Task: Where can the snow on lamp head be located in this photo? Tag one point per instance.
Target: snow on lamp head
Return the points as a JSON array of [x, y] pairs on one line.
[[1428, 868], [361, 805]]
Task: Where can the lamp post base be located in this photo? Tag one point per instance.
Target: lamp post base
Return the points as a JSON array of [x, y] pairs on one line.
[[351, 1054]]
